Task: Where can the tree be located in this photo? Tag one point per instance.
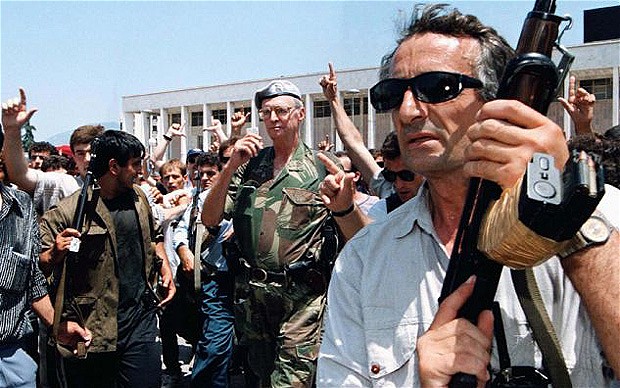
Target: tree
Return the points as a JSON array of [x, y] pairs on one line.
[[28, 136]]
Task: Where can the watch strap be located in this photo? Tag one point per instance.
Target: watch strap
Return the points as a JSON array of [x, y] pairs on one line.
[[595, 231]]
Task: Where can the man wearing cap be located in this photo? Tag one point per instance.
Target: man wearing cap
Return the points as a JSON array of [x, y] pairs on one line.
[[190, 165], [271, 195]]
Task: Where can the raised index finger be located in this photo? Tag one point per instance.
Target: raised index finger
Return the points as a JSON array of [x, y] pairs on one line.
[[330, 166], [571, 85], [332, 72], [22, 95]]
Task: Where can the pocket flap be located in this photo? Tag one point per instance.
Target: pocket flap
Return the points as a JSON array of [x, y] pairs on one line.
[[390, 348], [14, 272], [301, 196]]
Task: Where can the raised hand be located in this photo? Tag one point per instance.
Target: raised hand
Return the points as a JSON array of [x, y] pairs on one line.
[[580, 107], [238, 120], [325, 145], [329, 83], [216, 129], [245, 148], [337, 188], [176, 129], [15, 113]]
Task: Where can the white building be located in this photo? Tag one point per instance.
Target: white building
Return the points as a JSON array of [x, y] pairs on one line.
[[596, 67]]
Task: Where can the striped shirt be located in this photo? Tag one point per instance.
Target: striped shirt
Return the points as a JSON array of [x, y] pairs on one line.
[[21, 280]]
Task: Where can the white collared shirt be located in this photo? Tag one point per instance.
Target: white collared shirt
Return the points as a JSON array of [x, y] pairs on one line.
[[383, 295]]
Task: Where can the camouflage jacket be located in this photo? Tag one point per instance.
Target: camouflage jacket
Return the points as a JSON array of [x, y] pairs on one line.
[[92, 280], [277, 220]]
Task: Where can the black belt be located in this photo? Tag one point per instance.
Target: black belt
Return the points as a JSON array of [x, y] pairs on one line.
[[260, 275], [263, 276]]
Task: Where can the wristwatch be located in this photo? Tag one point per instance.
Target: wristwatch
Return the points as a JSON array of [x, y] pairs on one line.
[[595, 231]]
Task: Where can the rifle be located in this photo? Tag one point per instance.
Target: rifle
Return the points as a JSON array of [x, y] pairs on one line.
[[195, 231], [72, 257], [532, 78]]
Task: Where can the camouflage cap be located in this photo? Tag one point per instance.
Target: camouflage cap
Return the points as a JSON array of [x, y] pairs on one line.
[[274, 89]]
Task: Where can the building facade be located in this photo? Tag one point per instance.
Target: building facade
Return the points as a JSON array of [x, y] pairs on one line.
[[147, 116]]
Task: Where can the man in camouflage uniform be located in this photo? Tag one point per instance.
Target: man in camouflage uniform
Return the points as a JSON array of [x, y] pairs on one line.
[[271, 195]]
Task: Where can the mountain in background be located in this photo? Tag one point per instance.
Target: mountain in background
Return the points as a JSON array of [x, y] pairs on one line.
[[63, 137]]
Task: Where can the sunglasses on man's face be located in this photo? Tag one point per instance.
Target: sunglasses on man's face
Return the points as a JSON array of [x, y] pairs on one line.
[[405, 175], [432, 87]]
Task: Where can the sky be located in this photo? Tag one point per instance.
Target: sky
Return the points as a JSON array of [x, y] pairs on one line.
[[76, 60]]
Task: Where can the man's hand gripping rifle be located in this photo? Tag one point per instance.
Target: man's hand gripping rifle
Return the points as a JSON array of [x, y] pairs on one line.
[[546, 199]]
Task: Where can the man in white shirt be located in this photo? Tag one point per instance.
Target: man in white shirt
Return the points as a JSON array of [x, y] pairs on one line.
[[384, 325]]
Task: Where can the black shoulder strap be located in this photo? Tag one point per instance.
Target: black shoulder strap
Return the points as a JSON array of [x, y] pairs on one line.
[[392, 202], [542, 329]]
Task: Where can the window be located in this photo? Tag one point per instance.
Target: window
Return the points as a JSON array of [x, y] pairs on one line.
[[322, 109], [220, 114], [175, 118], [356, 102], [196, 119], [601, 88]]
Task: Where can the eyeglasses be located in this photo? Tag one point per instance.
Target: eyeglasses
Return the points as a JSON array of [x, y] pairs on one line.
[[281, 112], [432, 87], [405, 175]]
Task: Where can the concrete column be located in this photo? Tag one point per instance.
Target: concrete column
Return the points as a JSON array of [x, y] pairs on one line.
[[370, 142], [566, 120], [142, 127], [308, 135], [206, 121], [185, 119], [338, 142], [128, 122], [229, 114], [162, 123], [615, 103], [254, 119]]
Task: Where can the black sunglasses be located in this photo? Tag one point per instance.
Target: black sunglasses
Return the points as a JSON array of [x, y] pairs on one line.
[[405, 175], [432, 87]]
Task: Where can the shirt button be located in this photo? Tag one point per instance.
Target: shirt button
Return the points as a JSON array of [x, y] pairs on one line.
[[375, 368]]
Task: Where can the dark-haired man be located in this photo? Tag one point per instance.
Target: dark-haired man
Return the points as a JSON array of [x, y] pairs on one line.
[[212, 358], [338, 194], [38, 152], [384, 325], [108, 282]]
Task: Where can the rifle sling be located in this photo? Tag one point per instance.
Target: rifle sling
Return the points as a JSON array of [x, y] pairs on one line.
[[200, 230], [542, 329], [60, 300]]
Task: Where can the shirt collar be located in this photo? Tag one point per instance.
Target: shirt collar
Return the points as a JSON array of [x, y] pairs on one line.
[[416, 211], [302, 151], [10, 201]]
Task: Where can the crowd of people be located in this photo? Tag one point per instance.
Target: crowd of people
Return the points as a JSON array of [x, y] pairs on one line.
[[297, 266]]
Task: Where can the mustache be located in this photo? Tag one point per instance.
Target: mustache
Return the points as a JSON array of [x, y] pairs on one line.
[[416, 127]]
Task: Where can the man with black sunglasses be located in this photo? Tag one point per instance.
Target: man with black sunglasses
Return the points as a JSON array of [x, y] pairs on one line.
[[384, 325]]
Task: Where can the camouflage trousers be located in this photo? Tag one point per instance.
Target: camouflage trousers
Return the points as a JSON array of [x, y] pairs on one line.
[[281, 328]]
